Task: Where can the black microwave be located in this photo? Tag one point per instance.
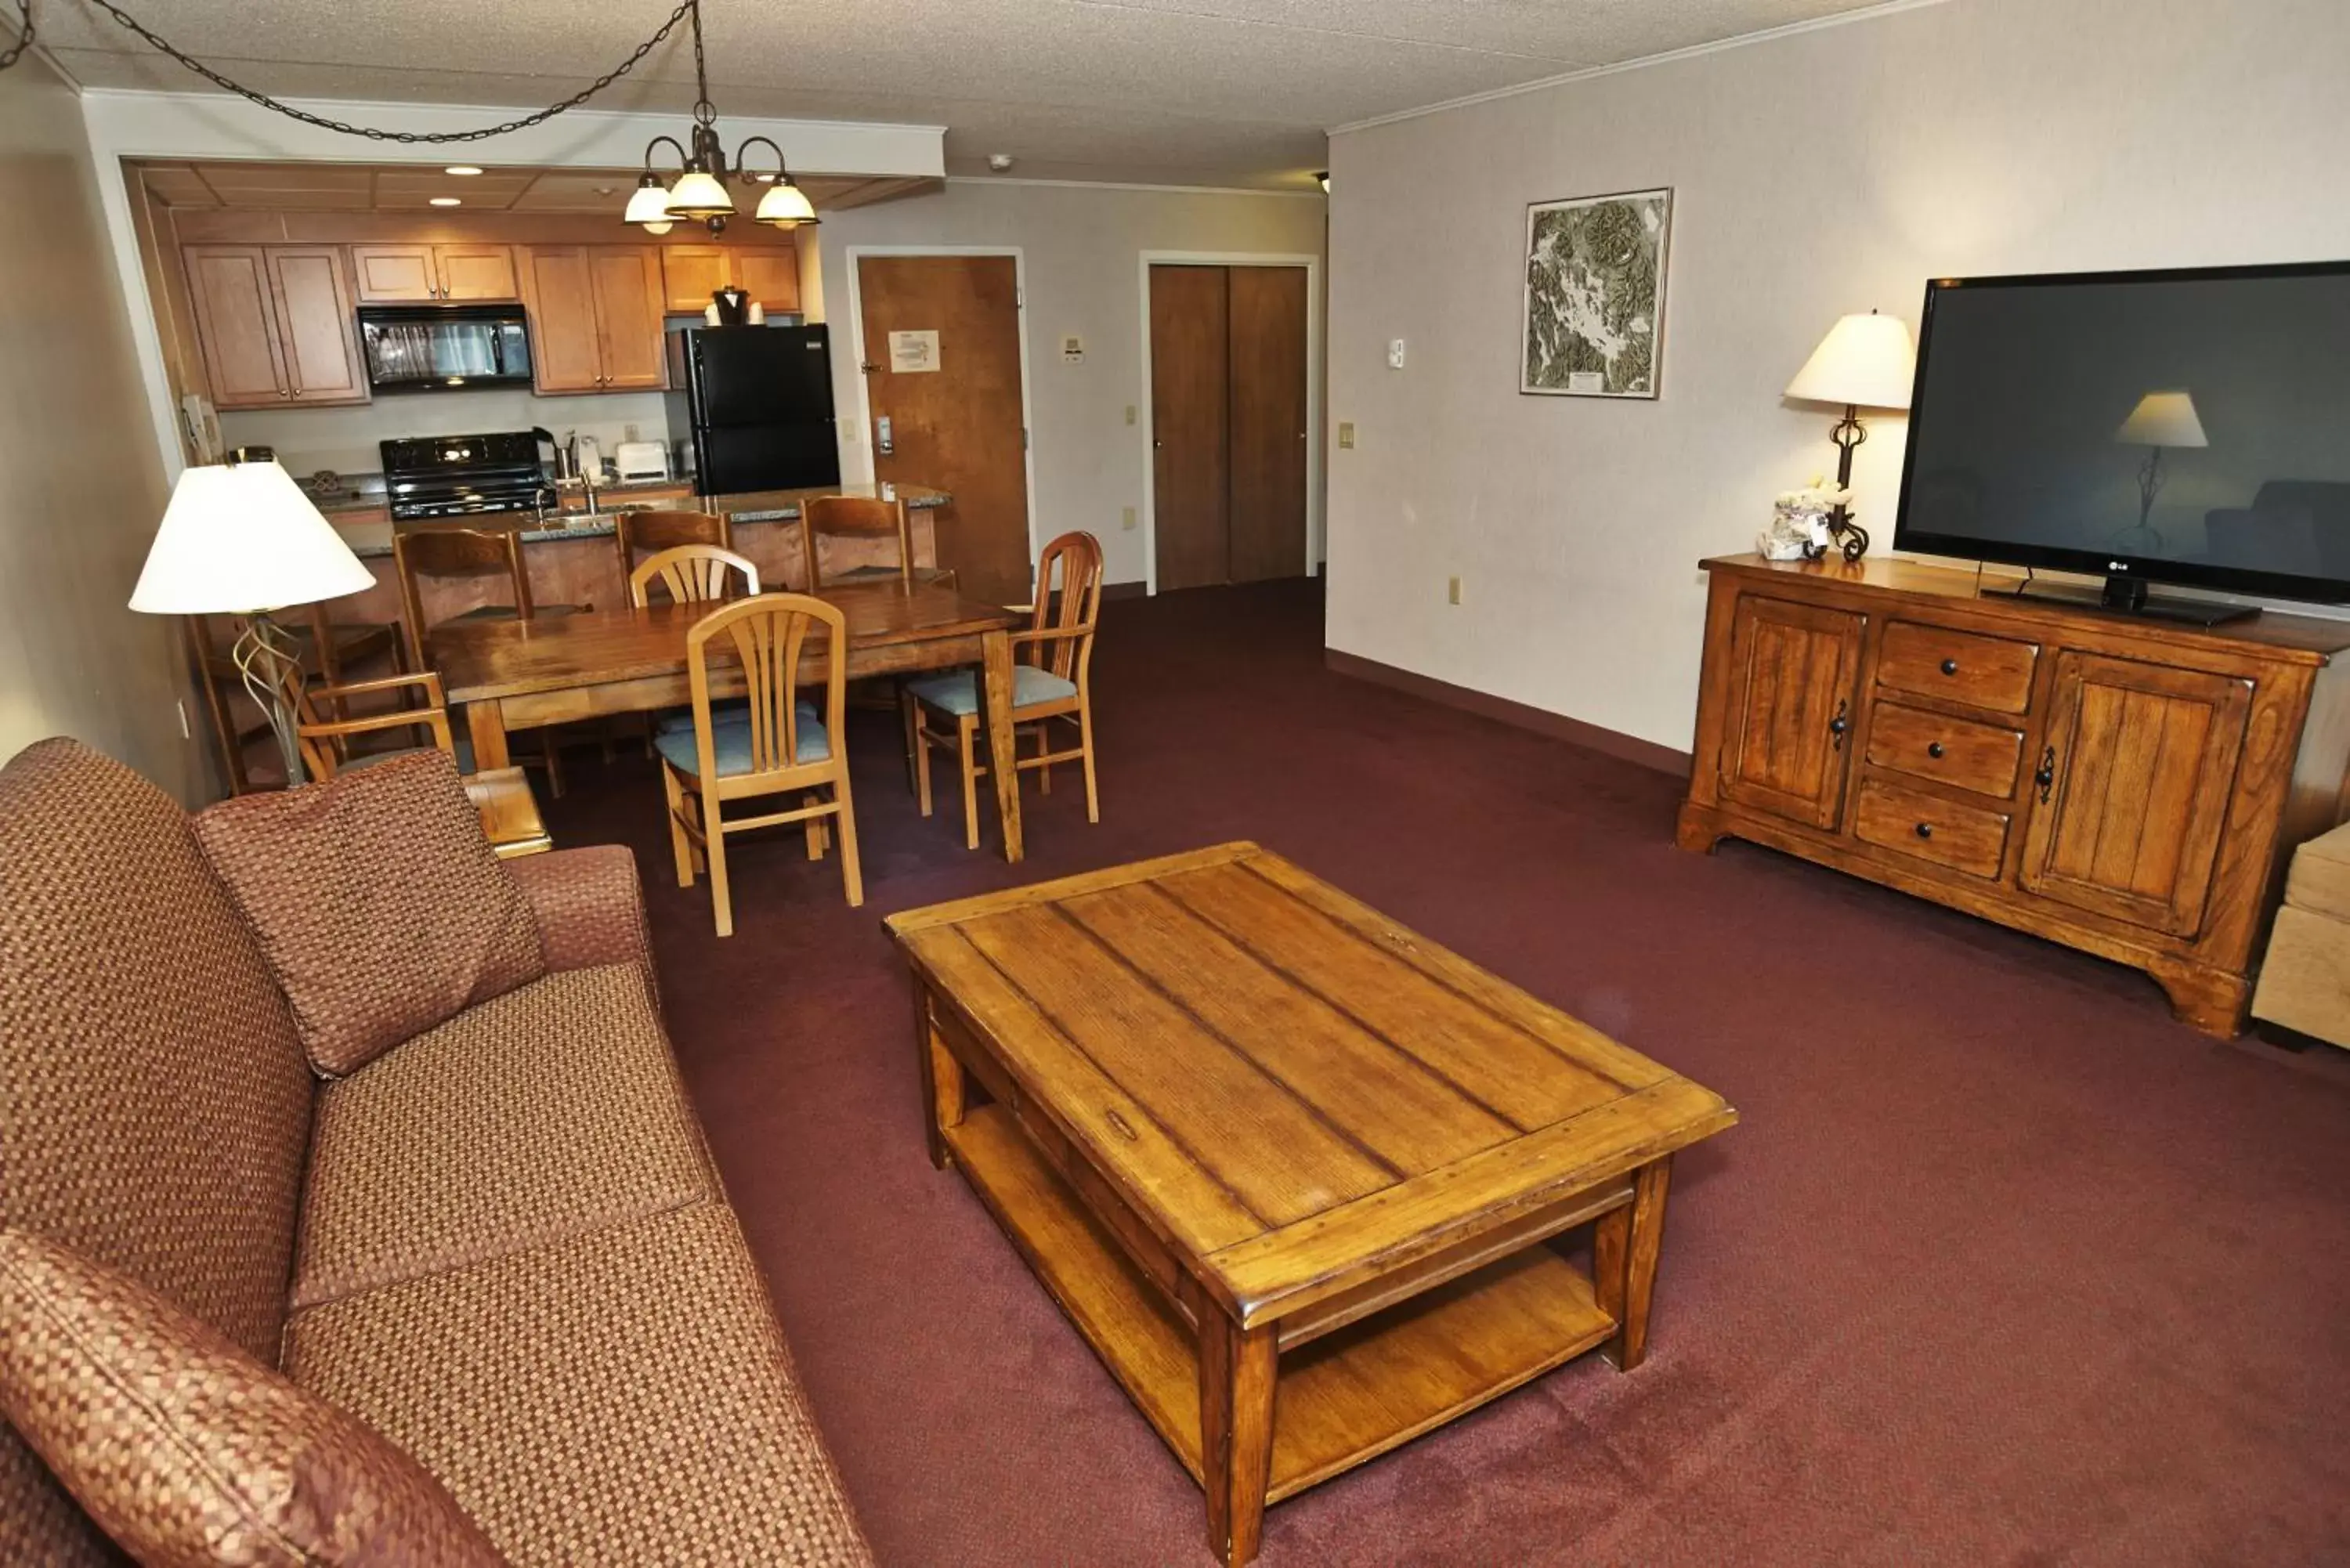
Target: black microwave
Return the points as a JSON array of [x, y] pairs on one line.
[[444, 347]]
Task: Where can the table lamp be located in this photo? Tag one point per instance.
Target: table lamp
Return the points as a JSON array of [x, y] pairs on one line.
[[2161, 420], [240, 538], [1864, 362]]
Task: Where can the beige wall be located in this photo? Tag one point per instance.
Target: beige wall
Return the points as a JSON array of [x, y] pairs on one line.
[[82, 487], [1821, 173], [1082, 246]]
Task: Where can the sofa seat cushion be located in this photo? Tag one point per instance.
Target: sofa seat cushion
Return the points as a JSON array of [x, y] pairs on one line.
[[548, 1111], [620, 1396]]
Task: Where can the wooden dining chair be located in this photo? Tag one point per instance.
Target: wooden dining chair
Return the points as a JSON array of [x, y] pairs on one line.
[[472, 555], [325, 648], [1051, 682], [635, 533], [781, 745], [691, 574], [855, 517]]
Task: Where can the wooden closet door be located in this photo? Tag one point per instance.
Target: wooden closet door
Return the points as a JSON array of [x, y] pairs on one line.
[[1268, 422], [629, 315], [316, 330], [1190, 430], [228, 287]]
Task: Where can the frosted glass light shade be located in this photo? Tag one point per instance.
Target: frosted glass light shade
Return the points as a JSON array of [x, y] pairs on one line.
[[2163, 419], [241, 537], [785, 204], [647, 204], [698, 194], [1865, 362]]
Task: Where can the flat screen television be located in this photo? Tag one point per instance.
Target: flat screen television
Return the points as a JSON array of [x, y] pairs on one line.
[[2188, 427]]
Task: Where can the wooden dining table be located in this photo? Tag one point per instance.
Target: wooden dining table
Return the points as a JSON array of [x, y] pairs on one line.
[[511, 675]]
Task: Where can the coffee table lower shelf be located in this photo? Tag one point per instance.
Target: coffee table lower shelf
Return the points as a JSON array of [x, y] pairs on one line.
[[1339, 1399]]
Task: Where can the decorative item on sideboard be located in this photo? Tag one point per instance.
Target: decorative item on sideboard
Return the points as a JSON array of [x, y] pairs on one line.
[[1864, 362], [1802, 526]]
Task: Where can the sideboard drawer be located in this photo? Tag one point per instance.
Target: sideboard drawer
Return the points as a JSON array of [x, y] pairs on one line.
[[1993, 672], [1979, 757], [1969, 838]]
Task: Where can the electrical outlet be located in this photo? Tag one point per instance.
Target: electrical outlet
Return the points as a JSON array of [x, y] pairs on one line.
[[1129, 414], [1126, 519], [1452, 590], [1394, 353], [627, 432], [1346, 433]]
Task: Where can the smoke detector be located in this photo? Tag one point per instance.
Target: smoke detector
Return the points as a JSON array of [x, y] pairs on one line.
[[999, 161]]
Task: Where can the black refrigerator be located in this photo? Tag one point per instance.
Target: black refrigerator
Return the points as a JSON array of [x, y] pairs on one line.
[[750, 407]]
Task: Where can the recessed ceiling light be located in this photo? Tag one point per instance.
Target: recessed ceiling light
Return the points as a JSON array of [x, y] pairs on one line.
[[460, 168], [447, 202]]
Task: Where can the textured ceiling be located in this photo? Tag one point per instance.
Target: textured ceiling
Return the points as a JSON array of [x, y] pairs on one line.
[[405, 188], [1171, 91]]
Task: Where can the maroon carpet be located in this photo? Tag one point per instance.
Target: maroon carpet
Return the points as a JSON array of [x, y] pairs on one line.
[[2002, 1264]]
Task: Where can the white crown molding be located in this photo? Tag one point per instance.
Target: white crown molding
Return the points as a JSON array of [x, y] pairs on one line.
[[1588, 73], [142, 124], [1135, 185]]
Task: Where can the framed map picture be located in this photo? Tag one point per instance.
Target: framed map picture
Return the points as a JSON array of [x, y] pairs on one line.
[[1596, 295]]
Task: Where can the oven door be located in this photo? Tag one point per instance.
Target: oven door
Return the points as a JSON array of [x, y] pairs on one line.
[[445, 349]]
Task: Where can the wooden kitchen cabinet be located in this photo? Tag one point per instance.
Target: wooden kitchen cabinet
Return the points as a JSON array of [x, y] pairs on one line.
[[276, 325], [770, 274], [594, 317], [2127, 786], [436, 273]]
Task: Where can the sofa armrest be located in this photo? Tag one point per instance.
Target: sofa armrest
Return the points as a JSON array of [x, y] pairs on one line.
[[589, 908]]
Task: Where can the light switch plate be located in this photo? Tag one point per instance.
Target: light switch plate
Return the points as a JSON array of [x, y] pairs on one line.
[[1346, 433], [1126, 518], [1129, 414]]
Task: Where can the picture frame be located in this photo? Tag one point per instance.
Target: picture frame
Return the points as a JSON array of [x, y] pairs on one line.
[[1592, 324]]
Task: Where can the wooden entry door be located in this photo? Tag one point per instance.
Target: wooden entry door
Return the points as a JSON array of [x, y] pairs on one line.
[[957, 426], [1228, 376], [2132, 789]]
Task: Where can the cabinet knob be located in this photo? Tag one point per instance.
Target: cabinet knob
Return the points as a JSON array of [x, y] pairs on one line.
[[2045, 778], [1949, 667], [1839, 724], [1925, 830], [1934, 749]]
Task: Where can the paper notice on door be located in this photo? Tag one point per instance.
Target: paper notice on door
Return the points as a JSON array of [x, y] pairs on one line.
[[913, 352]]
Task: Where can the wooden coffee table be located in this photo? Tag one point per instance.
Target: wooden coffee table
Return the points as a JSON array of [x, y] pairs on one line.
[[1288, 1167]]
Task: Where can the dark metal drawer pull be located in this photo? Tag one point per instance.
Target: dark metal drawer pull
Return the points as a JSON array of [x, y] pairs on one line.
[[1949, 667], [1934, 748], [1925, 830]]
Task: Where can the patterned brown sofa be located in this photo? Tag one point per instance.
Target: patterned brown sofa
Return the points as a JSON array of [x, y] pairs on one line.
[[502, 1244]]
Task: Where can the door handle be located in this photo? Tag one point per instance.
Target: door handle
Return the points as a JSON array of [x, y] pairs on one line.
[[1839, 724], [885, 440], [2047, 777]]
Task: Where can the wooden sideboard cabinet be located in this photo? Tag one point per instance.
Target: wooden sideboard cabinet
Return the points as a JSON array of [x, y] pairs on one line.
[[2127, 786]]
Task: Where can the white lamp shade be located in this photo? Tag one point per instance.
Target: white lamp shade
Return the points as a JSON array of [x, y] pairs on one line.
[[1866, 361], [784, 204], [2163, 419], [698, 194], [241, 537], [647, 204]]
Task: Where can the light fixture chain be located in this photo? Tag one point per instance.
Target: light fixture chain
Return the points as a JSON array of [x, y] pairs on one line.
[[24, 41], [373, 133]]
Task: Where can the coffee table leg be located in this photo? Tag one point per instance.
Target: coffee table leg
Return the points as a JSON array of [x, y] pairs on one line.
[[1236, 1379], [1624, 1247], [943, 1080]]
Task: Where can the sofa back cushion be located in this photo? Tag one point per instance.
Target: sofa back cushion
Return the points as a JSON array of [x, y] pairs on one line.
[[378, 902], [154, 1103]]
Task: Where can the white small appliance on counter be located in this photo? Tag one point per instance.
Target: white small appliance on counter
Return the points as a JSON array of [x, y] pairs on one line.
[[641, 459]]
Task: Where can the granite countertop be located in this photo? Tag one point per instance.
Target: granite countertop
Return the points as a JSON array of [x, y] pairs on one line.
[[370, 540]]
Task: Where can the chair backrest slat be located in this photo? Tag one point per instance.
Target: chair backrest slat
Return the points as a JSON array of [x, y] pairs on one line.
[[692, 574], [635, 533], [770, 638], [1075, 608]]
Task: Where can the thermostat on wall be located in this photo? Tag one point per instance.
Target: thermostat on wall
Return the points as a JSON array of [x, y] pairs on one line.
[[1073, 349]]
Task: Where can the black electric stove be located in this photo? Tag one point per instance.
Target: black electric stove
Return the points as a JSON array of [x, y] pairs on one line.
[[458, 476]]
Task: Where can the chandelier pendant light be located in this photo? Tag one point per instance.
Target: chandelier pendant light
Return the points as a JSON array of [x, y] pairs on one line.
[[699, 193]]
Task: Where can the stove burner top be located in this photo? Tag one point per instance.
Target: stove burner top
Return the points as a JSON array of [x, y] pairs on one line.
[[458, 476]]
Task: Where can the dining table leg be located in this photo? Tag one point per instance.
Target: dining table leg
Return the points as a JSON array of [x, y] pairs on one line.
[[1003, 754], [486, 723]]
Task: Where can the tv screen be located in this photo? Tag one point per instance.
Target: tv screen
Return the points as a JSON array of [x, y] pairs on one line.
[[2185, 427]]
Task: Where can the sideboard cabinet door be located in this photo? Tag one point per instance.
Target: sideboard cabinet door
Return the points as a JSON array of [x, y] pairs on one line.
[[1790, 739], [2132, 788]]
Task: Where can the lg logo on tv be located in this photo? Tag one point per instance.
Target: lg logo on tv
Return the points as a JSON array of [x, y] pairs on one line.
[[2117, 566]]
